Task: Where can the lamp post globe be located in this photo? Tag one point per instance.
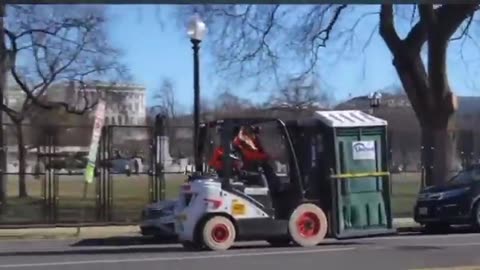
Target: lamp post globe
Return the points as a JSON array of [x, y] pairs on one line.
[[196, 28], [375, 98]]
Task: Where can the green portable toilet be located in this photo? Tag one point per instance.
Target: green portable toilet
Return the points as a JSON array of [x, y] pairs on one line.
[[356, 156]]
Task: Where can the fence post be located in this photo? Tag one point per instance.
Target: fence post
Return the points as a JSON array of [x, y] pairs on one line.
[[160, 132], [422, 168]]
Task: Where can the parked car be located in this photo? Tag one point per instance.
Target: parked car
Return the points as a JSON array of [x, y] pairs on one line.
[[158, 220], [456, 202]]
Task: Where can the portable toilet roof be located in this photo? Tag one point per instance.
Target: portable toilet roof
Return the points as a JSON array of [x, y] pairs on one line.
[[348, 118]]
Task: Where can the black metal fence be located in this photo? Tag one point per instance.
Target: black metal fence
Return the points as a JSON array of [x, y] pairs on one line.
[[137, 165], [44, 183]]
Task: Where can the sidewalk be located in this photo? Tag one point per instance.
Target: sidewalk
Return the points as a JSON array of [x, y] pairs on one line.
[[401, 224], [405, 224], [68, 233]]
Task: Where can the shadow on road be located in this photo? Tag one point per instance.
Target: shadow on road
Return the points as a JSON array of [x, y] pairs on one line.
[[417, 248], [452, 230], [124, 241], [132, 245], [138, 241], [125, 250]]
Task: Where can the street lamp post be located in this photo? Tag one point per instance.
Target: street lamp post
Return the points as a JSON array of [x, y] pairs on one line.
[[375, 99], [196, 31]]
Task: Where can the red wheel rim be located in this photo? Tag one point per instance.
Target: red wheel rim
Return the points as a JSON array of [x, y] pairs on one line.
[[220, 233], [308, 225]]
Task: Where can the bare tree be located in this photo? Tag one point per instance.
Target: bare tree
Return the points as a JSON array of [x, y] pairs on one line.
[[62, 126], [300, 93], [52, 47], [4, 62], [428, 88], [167, 103], [253, 40], [228, 104]]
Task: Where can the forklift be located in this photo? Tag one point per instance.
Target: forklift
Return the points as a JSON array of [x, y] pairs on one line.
[[325, 175]]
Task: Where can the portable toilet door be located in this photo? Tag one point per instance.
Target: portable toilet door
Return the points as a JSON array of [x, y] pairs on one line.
[[361, 200]]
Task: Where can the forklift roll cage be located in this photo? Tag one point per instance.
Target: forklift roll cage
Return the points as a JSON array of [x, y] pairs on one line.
[[228, 126]]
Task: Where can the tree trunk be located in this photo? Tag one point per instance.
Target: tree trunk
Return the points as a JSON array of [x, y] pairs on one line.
[[439, 155], [22, 185], [429, 92], [3, 83]]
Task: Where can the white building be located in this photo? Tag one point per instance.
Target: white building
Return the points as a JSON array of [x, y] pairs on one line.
[[126, 103]]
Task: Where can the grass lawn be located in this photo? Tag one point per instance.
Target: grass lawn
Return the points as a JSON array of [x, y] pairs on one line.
[[130, 195], [405, 187]]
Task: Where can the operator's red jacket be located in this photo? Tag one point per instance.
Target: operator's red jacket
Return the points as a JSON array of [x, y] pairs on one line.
[[249, 154]]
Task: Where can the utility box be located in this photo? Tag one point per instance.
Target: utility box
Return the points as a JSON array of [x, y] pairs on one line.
[[344, 157]]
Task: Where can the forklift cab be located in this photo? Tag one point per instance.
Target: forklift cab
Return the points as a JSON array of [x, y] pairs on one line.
[[273, 184]]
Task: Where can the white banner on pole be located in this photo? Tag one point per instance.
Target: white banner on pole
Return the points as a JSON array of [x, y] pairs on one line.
[[97, 132]]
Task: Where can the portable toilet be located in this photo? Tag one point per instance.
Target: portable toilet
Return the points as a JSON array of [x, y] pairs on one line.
[[344, 155]]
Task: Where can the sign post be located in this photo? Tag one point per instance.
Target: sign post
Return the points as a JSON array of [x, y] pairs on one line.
[[92, 154]]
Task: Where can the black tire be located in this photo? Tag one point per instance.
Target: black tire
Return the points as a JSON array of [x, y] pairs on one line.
[[476, 216], [436, 227]]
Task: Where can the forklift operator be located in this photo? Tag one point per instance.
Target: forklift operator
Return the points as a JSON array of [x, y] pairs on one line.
[[247, 145], [253, 156]]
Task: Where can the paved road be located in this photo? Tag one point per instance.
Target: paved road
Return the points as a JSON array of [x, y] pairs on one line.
[[395, 252]]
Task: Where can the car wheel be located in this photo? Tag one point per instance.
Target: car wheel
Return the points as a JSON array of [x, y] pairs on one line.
[[436, 227], [476, 216], [145, 231]]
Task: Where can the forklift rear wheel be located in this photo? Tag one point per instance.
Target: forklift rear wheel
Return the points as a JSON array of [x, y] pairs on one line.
[[308, 225], [218, 233]]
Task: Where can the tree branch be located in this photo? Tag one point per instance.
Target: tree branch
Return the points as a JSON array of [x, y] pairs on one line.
[[452, 17], [387, 28], [57, 58], [427, 15], [465, 29]]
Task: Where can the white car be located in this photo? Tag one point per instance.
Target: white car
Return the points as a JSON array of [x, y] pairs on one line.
[[158, 219]]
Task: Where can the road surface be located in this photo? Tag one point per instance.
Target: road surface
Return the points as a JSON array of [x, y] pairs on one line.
[[382, 253]]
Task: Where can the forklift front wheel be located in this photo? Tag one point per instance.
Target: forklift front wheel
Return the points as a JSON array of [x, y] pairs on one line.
[[218, 233], [308, 225]]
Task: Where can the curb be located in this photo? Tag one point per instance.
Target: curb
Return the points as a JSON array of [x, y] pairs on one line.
[[401, 225], [68, 233], [405, 225]]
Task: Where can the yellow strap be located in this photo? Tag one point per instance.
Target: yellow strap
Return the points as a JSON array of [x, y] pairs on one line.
[[359, 175]]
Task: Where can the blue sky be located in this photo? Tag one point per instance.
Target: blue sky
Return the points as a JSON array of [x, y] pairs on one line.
[[155, 51]]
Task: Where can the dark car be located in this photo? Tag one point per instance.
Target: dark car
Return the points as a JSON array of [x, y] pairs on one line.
[[457, 202]]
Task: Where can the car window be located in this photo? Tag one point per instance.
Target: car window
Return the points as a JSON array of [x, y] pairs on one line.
[[475, 175], [466, 176]]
